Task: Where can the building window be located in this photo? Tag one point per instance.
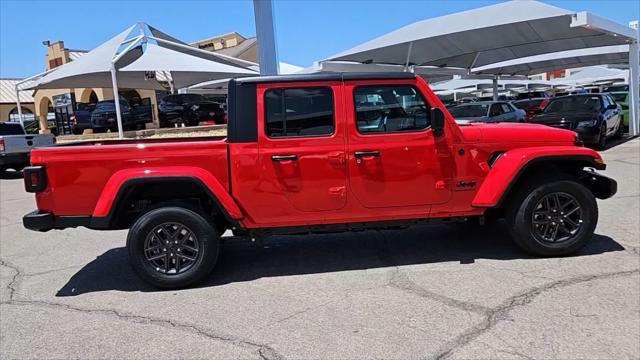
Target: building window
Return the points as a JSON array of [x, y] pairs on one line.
[[54, 63], [299, 112]]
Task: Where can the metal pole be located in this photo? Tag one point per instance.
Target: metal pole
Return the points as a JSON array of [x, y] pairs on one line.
[[116, 98], [406, 63], [634, 78], [495, 88], [19, 107], [265, 32]]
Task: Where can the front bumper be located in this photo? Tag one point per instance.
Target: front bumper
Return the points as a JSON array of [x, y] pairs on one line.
[[589, 135], [44, 221]]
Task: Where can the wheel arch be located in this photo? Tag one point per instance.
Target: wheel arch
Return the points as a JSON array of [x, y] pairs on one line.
[[513, 167], [163, 186]]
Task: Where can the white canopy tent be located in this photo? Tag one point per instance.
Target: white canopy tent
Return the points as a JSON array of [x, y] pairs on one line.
[[132, 59], [220, 86], [495, 34]]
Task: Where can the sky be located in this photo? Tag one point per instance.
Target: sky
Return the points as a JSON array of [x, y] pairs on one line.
[[306, 30]]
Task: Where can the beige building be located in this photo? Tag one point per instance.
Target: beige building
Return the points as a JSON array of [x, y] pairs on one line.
[[8, 97], [231, 44]]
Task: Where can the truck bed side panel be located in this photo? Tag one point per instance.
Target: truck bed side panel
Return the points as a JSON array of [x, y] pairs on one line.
[[77, 174]]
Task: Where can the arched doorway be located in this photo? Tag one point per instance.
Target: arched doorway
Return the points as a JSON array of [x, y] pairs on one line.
[[132, 97], [27, 114], [89, 96]]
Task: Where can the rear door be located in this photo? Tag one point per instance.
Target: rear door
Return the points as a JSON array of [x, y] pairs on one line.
[[392, 158], [301, 148]]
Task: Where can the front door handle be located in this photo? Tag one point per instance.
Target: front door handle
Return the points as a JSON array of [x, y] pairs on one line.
[[284, 157], [366, 153]]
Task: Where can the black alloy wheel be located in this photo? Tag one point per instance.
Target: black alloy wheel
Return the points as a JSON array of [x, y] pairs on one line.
[[556, 218]]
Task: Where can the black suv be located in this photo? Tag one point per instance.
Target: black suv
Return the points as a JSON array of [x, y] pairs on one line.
[[596, 117], [104, 118]]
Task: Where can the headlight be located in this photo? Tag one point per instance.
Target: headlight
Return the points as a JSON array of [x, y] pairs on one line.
[[588, 123]]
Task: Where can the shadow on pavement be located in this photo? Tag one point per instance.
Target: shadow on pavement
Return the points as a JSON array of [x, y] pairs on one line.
[[10, 175], [287, 255]]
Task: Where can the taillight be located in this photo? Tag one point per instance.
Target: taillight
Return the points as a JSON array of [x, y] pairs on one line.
[[1, 144], [35, 178]]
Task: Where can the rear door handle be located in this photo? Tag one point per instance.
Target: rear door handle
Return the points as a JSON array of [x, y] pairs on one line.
[[364, 153], [284, 157]]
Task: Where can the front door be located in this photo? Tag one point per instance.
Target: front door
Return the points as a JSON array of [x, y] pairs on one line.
[[392, 155], [302, 148]]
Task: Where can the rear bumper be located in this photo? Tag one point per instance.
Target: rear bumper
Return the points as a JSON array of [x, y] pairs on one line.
[[44, 221], [14, 159]]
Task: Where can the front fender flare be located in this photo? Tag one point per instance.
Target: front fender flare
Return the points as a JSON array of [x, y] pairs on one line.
[[508, 168], [116, 182]]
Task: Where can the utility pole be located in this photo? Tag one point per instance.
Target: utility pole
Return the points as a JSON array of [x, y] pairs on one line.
[[266, 34]]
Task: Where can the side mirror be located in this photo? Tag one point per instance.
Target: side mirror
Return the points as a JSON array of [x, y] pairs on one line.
[[612, 106], [437, 121]]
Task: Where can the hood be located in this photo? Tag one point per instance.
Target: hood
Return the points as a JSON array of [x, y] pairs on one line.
[[517, 133], [564, 117], [466, 120]]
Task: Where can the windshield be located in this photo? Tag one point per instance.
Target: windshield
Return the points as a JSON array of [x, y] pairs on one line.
[[574, 103], [475, 110], [111, 105], [619, 97]]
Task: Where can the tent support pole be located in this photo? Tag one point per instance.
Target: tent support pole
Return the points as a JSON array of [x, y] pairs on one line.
[[19, 107], [406, 63], [634, 97], [495, 88], [116, 99]]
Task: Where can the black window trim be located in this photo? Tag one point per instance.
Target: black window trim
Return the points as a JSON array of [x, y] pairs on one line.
[[285, 137], [355, 111]]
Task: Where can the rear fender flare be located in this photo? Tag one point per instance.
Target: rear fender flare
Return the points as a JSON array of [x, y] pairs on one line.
[[120, 180], [511, 165]]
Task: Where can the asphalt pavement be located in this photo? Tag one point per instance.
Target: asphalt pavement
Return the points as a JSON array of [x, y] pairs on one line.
[[446, 291]]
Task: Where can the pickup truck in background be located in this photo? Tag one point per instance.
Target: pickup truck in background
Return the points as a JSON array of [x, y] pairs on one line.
[[15, 145], [320, 153]]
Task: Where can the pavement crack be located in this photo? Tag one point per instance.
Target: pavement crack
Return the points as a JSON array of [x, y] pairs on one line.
[[13, 285], [501, 312], [401, 281], [264, 351]]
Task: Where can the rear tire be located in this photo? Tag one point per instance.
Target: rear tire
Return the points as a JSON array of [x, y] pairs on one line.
[[172, 247], [553, 217], [620, 130], [602, 140]]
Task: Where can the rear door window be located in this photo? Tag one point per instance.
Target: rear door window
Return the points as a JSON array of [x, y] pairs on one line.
[[299, 112], [390, 108]]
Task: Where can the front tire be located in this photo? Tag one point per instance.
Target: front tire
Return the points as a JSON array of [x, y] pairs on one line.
[[552, 218], [172, 247]]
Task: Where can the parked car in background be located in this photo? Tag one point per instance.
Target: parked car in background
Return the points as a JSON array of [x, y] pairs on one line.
[[204, 113], [81, 118], [487, 111], [531, 106], [141, 113], [171, 109], [15, 145], [617, 88], [104, 116], [532, 95], [596, 117], [622, 98]]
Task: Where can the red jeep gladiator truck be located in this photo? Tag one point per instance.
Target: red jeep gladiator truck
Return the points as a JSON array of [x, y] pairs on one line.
[[319, 153]]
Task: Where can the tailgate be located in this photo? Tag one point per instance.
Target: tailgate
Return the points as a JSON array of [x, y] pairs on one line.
[[15, 144]]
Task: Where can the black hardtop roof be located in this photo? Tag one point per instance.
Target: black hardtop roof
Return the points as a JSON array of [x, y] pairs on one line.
[[326, 76]]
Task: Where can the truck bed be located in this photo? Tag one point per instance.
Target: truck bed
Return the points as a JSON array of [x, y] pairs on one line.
[[86, 167]]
